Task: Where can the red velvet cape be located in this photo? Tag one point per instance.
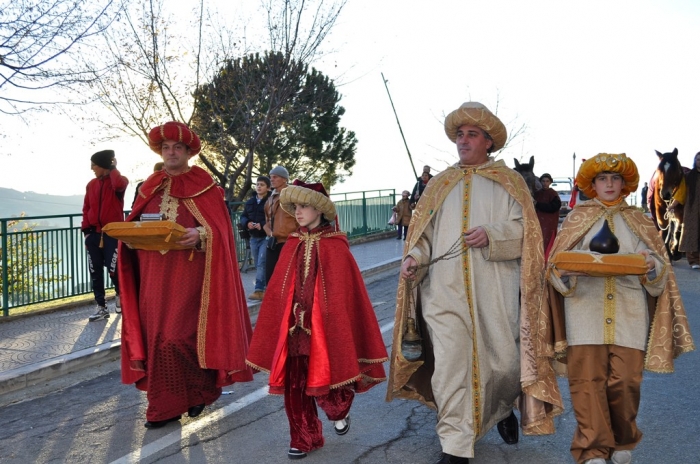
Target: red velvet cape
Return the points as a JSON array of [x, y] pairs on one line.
[[347, 348], [224, 329]]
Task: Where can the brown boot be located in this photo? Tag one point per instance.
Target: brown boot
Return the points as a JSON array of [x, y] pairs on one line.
[[256, 295]]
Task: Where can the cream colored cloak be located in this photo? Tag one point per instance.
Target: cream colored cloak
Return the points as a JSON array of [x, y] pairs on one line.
[[462, 290]]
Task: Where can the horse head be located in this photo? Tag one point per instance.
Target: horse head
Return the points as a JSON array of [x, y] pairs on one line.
[[666, 180], [670, 173], [525, 170]]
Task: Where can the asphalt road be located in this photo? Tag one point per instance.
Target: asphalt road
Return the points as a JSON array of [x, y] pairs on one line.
[[101, 421]]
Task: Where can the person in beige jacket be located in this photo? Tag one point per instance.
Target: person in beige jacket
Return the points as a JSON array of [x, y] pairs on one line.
[[403, 215], [607, 334], [278, 223]]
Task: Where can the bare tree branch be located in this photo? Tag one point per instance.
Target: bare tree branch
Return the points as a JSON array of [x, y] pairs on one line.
[[40, 44]]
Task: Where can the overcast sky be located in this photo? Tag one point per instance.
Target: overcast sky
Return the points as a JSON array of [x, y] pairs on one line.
[[583, 77]]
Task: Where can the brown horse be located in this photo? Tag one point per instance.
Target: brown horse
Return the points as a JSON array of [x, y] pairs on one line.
[[665, 182]]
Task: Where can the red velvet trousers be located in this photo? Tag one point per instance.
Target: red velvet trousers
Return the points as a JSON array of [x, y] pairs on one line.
[[304, 425], [605, 382]]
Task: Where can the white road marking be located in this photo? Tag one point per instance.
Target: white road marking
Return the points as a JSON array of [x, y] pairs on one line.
[[187, 430]]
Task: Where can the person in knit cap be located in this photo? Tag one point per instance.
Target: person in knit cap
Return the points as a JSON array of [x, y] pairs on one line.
[[317, 334], [604, 325], [103, 203], [185, 327], [278, 222], [471, 279]]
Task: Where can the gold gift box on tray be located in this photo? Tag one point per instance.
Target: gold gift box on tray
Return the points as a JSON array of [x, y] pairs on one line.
[[147, 235]]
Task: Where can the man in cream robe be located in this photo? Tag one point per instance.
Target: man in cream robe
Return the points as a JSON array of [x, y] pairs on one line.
[[473, 229]]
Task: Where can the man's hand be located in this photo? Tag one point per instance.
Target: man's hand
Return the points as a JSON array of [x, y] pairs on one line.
[[476, 237], [408, 268], [190, 239]]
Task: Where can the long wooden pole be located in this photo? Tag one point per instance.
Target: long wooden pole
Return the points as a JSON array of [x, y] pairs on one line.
[[410, 158]]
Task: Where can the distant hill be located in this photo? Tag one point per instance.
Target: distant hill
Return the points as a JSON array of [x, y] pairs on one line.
[[13, 203]]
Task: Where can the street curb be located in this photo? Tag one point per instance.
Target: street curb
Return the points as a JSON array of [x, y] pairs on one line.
[[27, 376], [34, 374]]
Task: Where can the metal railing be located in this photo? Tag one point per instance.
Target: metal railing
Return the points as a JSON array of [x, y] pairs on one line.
[[43, 258]]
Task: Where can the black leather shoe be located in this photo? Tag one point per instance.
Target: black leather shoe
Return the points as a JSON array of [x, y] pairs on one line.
[[294, 453], [159, 424], [449, 459], [195, 411], [344, 426], [508, 429]]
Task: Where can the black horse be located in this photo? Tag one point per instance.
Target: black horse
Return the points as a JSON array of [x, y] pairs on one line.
[[665, 182], [525, 170]]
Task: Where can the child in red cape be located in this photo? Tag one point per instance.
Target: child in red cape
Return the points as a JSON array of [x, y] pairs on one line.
[[317, 334]]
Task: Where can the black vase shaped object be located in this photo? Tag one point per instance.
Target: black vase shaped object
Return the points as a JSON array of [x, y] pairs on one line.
[[605, 241]]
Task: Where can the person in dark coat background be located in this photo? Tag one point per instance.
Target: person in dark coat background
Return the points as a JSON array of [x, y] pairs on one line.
[[253, 220]]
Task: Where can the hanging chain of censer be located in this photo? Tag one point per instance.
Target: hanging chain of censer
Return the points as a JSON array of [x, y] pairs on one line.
[[411, 346]]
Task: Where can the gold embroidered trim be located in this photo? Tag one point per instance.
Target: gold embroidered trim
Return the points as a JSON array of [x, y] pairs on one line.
[[476, 390], [256, 367], [659, 276], [372, 361], [300, 325], [206, 284], [169, 204], [609, 311], [310, 240], [355, 379], [213, 184]]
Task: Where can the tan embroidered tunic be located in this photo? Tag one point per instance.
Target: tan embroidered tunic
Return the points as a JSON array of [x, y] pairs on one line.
[[669, 333], [471, 306], [610, 310]]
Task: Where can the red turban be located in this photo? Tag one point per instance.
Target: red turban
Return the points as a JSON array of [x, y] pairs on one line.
[[176, 131]]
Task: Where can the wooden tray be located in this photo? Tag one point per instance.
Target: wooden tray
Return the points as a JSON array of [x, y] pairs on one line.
[[600, 265], [147, 235]]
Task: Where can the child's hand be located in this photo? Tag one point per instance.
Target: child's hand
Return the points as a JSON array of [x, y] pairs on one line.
[[565, 273], [648, 259]]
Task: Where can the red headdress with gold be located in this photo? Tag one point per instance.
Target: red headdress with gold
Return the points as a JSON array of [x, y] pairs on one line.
[[177, 131]]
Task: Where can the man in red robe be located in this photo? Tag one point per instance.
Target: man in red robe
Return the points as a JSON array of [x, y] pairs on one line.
[[317, 333], [185, 328], [547, 206]]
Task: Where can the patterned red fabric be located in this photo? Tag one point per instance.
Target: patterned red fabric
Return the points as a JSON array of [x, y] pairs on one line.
[[346, 346], [187, 319]]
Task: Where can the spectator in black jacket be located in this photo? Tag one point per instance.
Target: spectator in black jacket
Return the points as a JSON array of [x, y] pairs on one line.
[[420, 186], [253, 220]]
